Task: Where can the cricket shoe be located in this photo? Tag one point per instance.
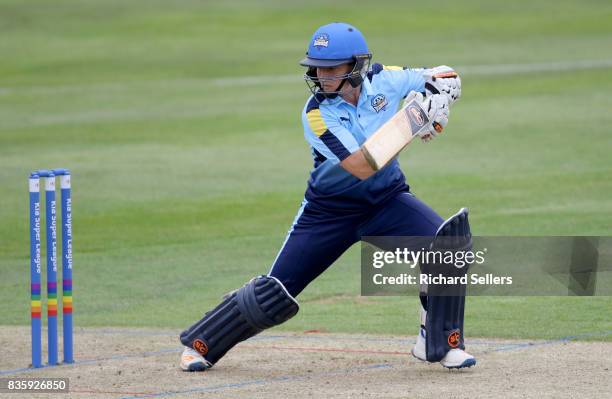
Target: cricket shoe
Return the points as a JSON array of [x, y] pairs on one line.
[[419, 350], [193, 361], [454, 359], [457, 359]]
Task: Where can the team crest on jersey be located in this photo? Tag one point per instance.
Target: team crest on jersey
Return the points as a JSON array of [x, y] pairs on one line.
[[321, 40], [379, 102]]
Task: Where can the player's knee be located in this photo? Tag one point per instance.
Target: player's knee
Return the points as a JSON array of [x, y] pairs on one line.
[[260, 304], [265, 302], [454, 233]]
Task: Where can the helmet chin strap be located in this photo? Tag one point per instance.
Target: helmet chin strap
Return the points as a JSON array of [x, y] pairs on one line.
[[333, 93], [354, 81], [340, 85]]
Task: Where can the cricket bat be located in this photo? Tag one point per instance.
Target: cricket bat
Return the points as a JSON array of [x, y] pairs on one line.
[[395, 134]]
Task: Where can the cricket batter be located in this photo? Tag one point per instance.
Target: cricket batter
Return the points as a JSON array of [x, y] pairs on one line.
[[346, 199]]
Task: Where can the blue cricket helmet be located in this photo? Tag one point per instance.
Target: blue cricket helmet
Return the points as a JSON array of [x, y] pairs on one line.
[[335, 44], [331, 45]]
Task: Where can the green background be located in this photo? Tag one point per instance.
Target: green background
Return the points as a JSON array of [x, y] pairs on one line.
[[181, 124]]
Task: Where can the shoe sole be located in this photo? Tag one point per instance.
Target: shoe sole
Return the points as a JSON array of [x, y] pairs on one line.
[[466, 364], [195, 367]]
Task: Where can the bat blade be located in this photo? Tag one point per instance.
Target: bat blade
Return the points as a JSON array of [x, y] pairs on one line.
[[394, 135]]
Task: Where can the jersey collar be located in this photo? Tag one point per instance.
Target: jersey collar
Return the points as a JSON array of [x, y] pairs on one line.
[[366, 86]]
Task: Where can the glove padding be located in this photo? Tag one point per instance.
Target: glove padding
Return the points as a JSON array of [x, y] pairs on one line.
[[442, 80], [437, 110]]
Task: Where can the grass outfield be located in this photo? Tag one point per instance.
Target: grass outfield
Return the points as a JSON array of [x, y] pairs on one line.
[[189, 162]]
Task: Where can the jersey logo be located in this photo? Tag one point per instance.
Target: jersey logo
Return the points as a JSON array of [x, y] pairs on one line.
[[200, 346], [321, 41], [379, 102], [345, 121], [454, 339]]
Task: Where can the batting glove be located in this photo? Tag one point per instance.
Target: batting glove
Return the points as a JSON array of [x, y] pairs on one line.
[[437, 110], [442, 80]]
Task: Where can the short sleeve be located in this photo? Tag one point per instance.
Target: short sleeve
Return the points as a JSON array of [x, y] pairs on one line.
[[326, 135], [402, 79]]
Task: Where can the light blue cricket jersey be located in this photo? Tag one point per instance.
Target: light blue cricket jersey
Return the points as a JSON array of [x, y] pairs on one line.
[[335, 128]]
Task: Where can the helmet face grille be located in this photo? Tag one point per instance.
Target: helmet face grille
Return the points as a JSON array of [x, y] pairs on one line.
[[361, 65]]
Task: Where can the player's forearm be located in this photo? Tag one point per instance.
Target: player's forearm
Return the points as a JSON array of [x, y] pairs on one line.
[[357, 165]]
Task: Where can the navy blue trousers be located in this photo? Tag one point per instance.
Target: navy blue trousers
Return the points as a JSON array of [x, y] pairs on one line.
[[319, 236]]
